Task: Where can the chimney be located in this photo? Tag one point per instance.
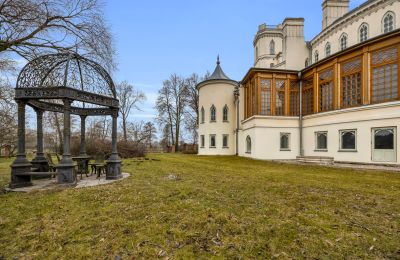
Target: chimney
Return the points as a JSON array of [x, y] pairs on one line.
[[332, 10]]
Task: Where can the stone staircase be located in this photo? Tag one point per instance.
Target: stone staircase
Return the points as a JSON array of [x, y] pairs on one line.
[[315, 159]]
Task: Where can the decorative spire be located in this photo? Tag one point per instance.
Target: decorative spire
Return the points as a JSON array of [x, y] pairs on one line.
[[218, 60]]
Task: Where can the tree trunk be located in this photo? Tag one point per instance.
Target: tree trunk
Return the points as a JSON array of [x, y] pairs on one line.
[[124, 128], [59, 133]]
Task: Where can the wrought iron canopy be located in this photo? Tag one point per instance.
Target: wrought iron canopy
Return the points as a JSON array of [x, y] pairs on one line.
[[65, 76]]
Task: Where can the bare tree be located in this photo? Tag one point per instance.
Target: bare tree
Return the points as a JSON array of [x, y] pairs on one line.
[[32, 27], [170, 104], [8, 115], [149, 133], [129, 99]]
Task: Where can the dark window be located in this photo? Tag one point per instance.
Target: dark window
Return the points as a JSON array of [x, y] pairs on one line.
[[348, 140], [202, 140], [388, 22], [213, 114], [327, 49], [384, 139], [225, 141], [212, 141], [202, 115], [322, 141], [248, 144], [285, 141], [316, 56], [272, 47], [363, 33], [225, 113]]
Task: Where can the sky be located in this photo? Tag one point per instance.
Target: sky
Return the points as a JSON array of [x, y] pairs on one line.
[[156, 38]]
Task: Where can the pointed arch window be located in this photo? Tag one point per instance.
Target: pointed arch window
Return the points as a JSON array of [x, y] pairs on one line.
[[225, 114], [306, 63], [388, 22], [248, 144], [202, 116], [316, 56], [363, 32], [343, 41], [213, 114], [327, 49], [272, 47]]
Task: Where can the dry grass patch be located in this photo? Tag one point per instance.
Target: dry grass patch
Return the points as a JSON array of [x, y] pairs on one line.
[[187, 206]]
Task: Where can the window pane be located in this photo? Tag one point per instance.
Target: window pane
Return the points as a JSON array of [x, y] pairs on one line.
[[322, 141], [384, 139], [348, 140], [285, 141]]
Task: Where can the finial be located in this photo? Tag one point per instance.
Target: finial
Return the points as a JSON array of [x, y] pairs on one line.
[[218, 60]]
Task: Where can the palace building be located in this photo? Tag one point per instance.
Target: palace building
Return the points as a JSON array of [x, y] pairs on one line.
[[334, 98]]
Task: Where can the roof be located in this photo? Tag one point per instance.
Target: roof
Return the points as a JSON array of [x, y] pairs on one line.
[[218, 72], [217, 75]]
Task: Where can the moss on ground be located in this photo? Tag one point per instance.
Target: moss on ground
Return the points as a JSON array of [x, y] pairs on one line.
[[187, 206]]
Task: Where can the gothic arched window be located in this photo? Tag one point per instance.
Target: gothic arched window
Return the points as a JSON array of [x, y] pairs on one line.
[[213, 114], [225, 114], [363, 32], [388, 22], [316, 56], [248, 144], [272, 47], [327, 49], [343, 41]]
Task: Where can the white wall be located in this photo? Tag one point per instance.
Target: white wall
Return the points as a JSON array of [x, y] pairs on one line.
[[218, 93], [264, 132], [363, 119]]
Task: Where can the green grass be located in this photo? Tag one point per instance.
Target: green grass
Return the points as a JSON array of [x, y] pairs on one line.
[[220, 207]]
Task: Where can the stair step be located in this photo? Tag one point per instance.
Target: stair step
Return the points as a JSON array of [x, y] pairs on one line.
[[315, 159]]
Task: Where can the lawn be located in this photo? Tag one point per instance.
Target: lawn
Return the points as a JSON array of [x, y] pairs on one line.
[[216, 207]]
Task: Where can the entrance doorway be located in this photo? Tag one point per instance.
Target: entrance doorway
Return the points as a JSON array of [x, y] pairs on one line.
[[384, 144]]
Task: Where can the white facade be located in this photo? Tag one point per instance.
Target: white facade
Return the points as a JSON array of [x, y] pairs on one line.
[[282, 48]]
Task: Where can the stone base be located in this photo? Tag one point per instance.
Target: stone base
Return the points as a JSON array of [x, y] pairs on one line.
[[66, 174], [18, 181], [41, 164], [113, 171]]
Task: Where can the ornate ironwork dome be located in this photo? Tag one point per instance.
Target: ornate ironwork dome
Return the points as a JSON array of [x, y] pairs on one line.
[[66, 70]]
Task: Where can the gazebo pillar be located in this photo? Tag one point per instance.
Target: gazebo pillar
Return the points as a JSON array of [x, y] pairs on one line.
[[82, 151], [40, 162], [114, 161], [66, 167], [21, 164]]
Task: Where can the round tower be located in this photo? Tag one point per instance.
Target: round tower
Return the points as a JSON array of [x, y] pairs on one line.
[[217, 114]]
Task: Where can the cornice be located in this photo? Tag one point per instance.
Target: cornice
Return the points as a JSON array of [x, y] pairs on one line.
[[268, 33]]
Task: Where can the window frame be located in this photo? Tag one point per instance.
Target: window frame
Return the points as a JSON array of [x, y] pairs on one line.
[[344, 74], [202, 141], [327, 54], [366, 25], [316, 141], [248, 144], [215, 141], [341, 132], [316, 56], [373, 66], [288, 135], [346, 41], [272, 47], [226, 108], [227, 141], [213, 108], [383, 21], [202, 115]]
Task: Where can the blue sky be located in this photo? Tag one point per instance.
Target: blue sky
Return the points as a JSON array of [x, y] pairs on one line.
[[154, 39]]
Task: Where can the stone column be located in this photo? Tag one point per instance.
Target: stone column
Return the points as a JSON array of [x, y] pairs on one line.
[[114, 161], [39, 162], [82, 151], [66, 167], [21, 165]]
